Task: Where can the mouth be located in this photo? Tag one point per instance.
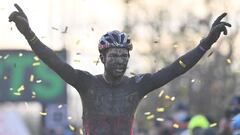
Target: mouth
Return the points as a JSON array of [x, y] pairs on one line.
[[120, 70]]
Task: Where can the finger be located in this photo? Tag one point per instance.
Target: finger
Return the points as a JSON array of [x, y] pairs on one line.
[[18, 8], [224, 30], [12, 16], [227, 24], [220, 17]]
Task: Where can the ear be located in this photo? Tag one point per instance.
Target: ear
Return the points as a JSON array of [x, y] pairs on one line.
[[102, 58]]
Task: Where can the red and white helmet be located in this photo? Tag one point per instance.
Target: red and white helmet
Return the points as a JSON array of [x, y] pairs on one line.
[[115, 39]]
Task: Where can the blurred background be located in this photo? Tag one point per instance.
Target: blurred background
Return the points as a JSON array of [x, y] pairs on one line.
[[35, 101]]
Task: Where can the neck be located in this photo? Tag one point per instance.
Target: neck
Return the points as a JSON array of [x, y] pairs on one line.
[[112, 80]]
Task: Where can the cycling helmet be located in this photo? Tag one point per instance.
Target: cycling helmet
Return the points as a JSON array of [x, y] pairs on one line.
[[115, 39], [235, 124]]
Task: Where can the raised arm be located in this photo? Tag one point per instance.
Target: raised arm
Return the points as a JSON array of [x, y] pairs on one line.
[[149, 82], [65, 71]]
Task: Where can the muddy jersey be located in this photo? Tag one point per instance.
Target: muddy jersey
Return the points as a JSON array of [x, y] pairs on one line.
[[109, 109]]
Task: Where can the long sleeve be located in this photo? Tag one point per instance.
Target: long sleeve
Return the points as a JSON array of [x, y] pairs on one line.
[[64, 70], [148, 82]]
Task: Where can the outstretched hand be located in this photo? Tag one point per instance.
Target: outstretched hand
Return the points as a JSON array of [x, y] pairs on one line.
[[21, 21], [217, 28]]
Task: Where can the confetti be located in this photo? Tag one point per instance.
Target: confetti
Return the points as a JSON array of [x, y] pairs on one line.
[[193, 80], [38, 81], [150, 117], [1, 57], [210, 53], [36, 64], [5, 57], [182, 64], [147, 113], [71, 127], [155, 42], [167, 97], [11, 89], [172, 98], [20, 54], [229, 61], [81, 131], [5, 77], [69, 117], [97, 61], [17, 93], [160, 119], [77, 42], [33, 94], [36, 58], [160, 109], [59, 106], [21, 88], [175, 46], [132, 73], [78, 61], [175, 125], [26, 104], [161, 93], [78, 53], [43, 113], [213, 125], [92, 29], [54, 28], [31, 78], [145, 96], [65, 30]]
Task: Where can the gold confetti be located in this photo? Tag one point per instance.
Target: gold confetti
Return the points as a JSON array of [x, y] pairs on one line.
[[92, 29], [172, 98], [20, 54], [229, 61], [26, 104], [54, 28], [167, 97], [150, 117], [78, 61], [65, 30], [81, 131], [59, 106], [147, 113], [160, 119], [5, 77], [161, 93], [36, 64], [31, 78], [71, 127], [160, 109], [210, 53], [33, 94], [132, 73], [77, 42], [175, 125], [97, 61], [5, 57], [193, 80], [182, 64], [213, 125], [175, 46], [38, 81], [145, 96], [21, 88], [17, 93], [43, 113], [36, 58]]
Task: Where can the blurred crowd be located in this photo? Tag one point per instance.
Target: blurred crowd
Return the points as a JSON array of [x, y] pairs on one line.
[[182, 122]]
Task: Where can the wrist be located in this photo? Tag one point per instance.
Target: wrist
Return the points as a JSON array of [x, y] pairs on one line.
[[205, 44]]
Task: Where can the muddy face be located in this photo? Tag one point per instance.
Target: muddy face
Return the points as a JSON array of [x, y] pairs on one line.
[[115, 63]]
